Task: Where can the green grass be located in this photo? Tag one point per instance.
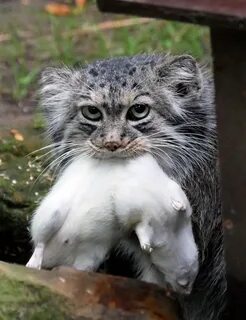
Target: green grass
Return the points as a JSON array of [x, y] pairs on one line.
[[38, 39], [23, 299]]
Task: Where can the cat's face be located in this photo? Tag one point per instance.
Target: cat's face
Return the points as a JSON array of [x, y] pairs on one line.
[[121, 107], [117, 128]]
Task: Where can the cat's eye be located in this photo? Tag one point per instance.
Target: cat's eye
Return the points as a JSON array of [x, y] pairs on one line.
[[91, 113], [138, 112]]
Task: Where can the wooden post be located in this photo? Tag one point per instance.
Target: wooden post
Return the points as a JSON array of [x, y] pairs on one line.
[[229, 51]]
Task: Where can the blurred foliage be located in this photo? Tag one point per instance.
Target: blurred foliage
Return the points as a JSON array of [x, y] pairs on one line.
[[36, 39]]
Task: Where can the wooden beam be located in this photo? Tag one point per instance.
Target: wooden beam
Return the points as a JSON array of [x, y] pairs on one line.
[[224, 13], [229, 51]]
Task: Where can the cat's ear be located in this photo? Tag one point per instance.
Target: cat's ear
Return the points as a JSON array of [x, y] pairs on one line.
[[54, 86], [181, 74], [55, 97]]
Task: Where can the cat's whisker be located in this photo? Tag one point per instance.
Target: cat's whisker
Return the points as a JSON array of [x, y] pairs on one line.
[[55, 166], [55, 147], [72, 154], [42, 159], [181, 148], [193, 144], [52, 145], [53, 153], [164, 153], [183, 153], [50, 166]]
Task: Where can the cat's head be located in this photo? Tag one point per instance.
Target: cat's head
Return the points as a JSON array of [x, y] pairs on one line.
[[123, 107]]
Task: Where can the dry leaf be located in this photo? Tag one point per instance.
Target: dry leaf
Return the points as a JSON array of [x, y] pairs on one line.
[[17, 135], [80, 3], [79, 6], [58, 9]]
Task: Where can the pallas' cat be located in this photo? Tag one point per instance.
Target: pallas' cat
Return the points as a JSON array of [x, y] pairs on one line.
[[161, 105]]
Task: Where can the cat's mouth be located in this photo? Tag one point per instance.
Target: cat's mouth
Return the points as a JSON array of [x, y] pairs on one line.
[[132, 149]]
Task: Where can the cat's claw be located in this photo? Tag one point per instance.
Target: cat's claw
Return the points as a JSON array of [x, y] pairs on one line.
[[178, 205]]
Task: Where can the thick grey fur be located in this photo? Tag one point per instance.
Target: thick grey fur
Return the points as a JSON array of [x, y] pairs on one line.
[[183, 114]]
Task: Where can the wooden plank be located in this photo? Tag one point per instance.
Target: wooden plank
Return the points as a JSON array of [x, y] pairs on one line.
[[225, 13]]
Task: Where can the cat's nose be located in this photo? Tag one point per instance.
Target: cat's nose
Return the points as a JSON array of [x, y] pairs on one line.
[[112, 145]]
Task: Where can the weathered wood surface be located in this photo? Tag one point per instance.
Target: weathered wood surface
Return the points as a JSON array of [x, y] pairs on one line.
[[67, 294], [229, 50], [226, 13]]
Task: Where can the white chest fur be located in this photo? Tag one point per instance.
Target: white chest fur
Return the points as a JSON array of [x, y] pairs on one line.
[[126, 188]]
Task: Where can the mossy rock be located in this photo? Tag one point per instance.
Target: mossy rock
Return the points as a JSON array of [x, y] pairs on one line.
[[65, 293], [24, 297], [28, 301], [19, 196]]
